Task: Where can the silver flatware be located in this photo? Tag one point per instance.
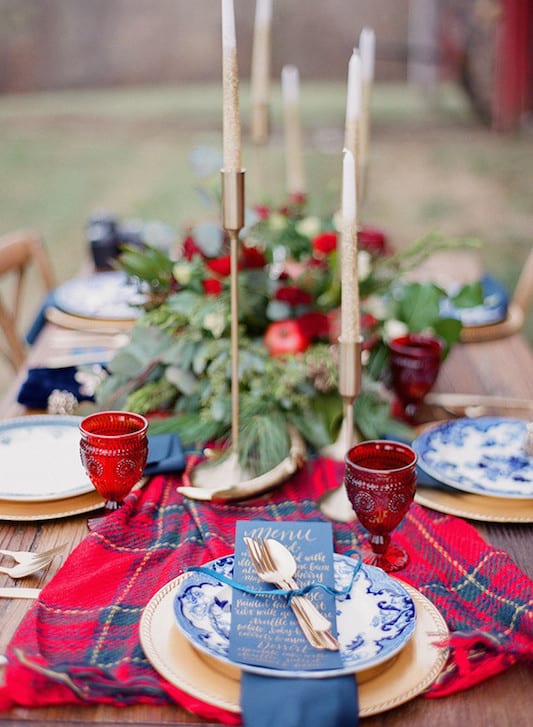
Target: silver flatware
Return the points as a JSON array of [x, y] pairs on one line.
[[16, 592]]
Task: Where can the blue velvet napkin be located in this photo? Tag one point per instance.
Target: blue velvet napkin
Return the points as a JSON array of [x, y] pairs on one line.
[[40, 382], [279, 702], [165, 455]]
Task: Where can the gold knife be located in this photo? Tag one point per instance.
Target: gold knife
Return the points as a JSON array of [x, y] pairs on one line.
[[19, 592]]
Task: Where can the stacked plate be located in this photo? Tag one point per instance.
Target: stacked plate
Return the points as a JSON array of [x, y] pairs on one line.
[[388, 634], [477, 468], [42, 477]]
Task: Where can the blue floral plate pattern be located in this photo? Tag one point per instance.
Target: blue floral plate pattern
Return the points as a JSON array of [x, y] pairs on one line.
[[374, 620], [484, 456]]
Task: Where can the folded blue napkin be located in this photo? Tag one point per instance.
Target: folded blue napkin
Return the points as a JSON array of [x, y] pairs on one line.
[[268, 701], [165, 455], [40, 382]]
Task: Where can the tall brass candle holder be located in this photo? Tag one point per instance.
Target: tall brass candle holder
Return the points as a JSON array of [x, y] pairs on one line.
[[225, 471], [335, 505], [221, 477]]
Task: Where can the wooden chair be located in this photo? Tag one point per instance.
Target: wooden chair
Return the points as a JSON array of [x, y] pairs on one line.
[[19, 251]]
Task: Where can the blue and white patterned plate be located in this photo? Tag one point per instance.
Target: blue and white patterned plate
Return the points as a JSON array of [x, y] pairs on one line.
[[492, 310], [40, 459], [374, 621], [484, 456]]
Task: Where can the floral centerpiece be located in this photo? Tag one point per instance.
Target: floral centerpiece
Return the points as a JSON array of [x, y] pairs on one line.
[[177, 365]]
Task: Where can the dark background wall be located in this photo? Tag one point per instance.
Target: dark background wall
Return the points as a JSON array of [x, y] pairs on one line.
[[55, 44]]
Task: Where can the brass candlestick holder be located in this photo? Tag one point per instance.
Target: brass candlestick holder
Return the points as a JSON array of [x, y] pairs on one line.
[[335, 505], [220, 476], [225, 471]]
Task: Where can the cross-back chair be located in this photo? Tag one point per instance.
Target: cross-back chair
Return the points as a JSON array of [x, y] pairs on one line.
[[19, 251]]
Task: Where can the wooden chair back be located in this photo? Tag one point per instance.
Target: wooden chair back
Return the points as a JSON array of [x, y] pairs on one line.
[[19, 251]]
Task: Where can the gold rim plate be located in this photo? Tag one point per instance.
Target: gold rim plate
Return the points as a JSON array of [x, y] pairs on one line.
[[80, 323], [411, 673], [492, 331], [476, 507], [50, 510]]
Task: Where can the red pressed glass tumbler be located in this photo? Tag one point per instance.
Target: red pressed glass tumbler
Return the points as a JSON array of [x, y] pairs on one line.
[[113, 449], [414, 361], [380, 481]]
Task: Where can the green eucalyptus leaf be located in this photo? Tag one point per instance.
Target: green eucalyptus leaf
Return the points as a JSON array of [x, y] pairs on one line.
[[449, 329], [209, 237], [182, 379], [278, 310], [419, 305], [468, 296]]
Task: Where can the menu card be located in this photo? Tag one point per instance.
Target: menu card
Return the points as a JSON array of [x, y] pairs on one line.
[[264, 630]]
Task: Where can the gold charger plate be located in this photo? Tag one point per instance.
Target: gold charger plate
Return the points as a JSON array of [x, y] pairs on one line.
[[78, 323], [50, 510], [411, 673], [476, 507], [492, 331]]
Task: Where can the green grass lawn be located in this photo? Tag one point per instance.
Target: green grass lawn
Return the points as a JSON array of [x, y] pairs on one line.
[[432, 166]]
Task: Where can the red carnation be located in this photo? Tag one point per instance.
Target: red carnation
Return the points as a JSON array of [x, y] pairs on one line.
[[293, 295], [212, 286], [325, 243]]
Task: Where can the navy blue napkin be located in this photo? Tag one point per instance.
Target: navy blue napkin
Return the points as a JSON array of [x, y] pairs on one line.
[[40, 382], [165, 455], [268, 701]]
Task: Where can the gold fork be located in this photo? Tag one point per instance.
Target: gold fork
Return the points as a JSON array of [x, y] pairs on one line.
[[266, 571]]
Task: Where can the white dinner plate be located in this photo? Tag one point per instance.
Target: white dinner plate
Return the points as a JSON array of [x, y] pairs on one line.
[[484, 456], [107, 296], [40, 459], [375, 619]]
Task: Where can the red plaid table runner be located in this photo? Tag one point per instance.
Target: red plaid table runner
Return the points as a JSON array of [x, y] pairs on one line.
[[79, 642]]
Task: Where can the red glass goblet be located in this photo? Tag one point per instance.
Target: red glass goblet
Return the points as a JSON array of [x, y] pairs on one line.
[[113, 449], [414, 362], [380, 481]]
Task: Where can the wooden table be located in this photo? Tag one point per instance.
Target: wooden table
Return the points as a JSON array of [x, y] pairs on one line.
[[502, 367]]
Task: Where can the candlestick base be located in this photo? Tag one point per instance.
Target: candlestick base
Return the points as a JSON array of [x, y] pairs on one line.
[[335, 504], [221, 477]]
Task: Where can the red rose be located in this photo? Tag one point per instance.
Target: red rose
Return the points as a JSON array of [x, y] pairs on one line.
[[219, 265], [293, 295], [253, 258], [372, 239], [314, 324], [212, 286], [285, 337], [325, 243]]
